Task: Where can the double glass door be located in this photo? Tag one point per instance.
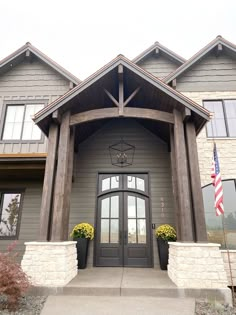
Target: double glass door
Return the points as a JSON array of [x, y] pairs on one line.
[[123, 221]]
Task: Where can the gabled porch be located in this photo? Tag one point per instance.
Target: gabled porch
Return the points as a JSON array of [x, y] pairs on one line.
[[120, 100]]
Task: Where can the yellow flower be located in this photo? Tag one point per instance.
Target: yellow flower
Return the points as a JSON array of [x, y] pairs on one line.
[[83, 230], [166, 232]]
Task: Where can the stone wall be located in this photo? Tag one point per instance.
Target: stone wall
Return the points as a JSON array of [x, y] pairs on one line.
[[50, 264], [196, 265], [226, 147]]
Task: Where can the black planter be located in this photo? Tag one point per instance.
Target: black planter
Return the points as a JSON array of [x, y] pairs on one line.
[[163, 251], [82, 252]]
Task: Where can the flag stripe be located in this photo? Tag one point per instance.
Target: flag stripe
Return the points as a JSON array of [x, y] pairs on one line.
[[217, 183]]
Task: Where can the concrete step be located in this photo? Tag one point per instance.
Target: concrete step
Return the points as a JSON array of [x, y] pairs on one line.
[[130, 282], [101, 305]]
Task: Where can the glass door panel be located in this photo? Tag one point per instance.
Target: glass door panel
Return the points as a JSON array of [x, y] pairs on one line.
[[110, 219]]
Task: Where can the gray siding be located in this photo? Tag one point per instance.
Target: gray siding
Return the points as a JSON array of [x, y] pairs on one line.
[[29, 227], [151, 156], [212, 73], [159, 66], [34, 82]]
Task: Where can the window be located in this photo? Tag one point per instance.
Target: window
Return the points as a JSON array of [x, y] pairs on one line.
[[19, 124], [10, 205], [214, 223], [223, 124]]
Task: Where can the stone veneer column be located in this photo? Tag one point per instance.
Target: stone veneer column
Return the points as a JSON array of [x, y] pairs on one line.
[[196, 265], [50, 264]]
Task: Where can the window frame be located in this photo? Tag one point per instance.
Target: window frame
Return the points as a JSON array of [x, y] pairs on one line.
[[12, 191], [228, 136], [20, 103]]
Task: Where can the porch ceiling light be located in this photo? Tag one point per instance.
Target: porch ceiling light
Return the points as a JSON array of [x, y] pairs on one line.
[[121, 153]]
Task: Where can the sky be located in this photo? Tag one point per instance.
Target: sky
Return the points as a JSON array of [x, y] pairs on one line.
[[82, 36]]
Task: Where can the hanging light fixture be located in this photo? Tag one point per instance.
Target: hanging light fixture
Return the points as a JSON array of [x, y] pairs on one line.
[[121, 153]]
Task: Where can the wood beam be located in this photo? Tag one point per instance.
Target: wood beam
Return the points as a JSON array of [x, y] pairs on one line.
[[121, 89], [129, 112], [61, 181], [69, 184], [157, 51], [56, 117], [196, 190], [71, 85], [23, 155], [219, 49], [174, 83], [111, 97], [174, 182], [185, 208], [186, 114], [135, 92], [48, 184], [28, 53]]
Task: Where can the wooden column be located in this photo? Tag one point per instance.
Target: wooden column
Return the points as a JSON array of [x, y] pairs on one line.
[[48, 183], [61, 181], [174, 182], [69, 184], [185, 211], [196, 190]]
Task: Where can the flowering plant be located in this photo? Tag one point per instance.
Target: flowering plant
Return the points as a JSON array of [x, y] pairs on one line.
[[166, 232], [83, 230]]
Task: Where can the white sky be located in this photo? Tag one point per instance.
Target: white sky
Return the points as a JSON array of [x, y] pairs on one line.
[[84, 35]]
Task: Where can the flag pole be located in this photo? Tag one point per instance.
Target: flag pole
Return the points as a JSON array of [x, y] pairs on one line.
[[228, 255], [223, 226]]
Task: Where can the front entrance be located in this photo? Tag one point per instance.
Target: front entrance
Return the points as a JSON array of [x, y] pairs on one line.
[[123, 221]]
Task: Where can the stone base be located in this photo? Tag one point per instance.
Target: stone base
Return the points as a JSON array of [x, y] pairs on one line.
[[196, 265], [50, 264]]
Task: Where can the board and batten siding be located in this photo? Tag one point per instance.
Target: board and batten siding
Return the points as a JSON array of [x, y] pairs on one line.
[[29, 222], [29, 81], [151, 156], [212, 73], [159, 66]]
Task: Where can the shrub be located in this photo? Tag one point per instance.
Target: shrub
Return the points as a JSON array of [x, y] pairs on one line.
[[166, 232], [83, 230], [13, 281]]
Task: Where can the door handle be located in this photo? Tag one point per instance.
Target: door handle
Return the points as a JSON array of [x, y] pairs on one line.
[[120, 236], [125, 237]]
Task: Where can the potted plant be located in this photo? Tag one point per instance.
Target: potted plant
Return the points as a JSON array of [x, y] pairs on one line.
[[164, 233], [82, 233]]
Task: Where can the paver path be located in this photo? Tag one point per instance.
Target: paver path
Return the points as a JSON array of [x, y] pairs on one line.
[[117, 305]]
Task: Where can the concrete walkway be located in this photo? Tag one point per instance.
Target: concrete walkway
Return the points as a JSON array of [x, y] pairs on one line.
[[103, 305], [120, 291]]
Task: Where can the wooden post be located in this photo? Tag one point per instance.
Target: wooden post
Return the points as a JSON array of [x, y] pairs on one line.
[[196, 191], [48, 184], [185, 211], [60, 191], [69, 184], [174, 182]]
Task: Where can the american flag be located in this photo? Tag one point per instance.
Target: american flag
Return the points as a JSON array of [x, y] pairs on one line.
[[215, 175]]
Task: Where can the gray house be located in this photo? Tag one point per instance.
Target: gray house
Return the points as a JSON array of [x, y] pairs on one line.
[[118, 150]]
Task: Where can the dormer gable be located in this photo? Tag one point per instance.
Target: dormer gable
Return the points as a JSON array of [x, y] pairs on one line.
[[159, 60], [29, 53], [213, 68]]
